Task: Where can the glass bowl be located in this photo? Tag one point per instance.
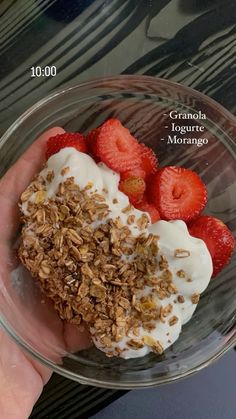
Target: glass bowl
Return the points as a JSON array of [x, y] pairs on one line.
[[143, 104]]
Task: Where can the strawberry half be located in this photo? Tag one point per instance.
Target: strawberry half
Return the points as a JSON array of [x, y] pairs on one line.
[[134, 188], [67, 139], [149, 162], [177, 193], [218, 238], [116, 147], [150, 208], [91, 141]]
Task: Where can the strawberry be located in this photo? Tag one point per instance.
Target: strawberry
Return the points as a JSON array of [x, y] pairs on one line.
[[150, 208], [91, 141], [177, 193], [218, 238], [136, 172], [116, 147], [149, 161], [67, 139], [134, 188]]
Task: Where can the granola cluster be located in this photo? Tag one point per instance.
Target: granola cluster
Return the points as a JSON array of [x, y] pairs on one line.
[[92, 267]]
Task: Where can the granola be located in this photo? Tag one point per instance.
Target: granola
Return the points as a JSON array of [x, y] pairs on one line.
[[79, 266]]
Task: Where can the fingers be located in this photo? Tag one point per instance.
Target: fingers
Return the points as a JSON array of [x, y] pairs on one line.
[[34, 318], [54, 340], [20, 382], [76, 338], [15, 181], [19, 175]]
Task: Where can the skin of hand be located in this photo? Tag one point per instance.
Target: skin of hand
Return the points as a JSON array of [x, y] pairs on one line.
[[21, 377]]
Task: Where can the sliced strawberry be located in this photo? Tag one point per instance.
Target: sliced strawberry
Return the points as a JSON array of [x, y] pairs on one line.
[[134, 188], [150, 208], [91, 141], [177, 193], [67, 139], [149, 162], [136, 172], [116, 147], [218, 238]]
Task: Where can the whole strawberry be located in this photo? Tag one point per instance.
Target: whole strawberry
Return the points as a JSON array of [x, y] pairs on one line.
[[134, 187], [136, 172], [218, 238]]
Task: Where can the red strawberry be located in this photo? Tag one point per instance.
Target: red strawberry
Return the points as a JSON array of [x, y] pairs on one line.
[[149, 161], [150, 208], [218, 238], [136, 172], [67, 139], [117, 148], [177, 193], [91, 141], [134, 188]]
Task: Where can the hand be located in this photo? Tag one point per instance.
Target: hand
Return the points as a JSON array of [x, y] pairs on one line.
[[21, 377]]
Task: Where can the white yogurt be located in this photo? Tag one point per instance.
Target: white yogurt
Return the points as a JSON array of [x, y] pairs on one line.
[[173, 235], [84, 169], [198, 267]]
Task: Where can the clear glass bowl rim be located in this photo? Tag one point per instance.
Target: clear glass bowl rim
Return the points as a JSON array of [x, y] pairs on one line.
[[108, 82]]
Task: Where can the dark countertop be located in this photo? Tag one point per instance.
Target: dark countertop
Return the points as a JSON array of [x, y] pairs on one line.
[[188, 41]]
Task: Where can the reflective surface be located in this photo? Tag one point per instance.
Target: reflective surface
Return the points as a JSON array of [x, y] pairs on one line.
[[143, 105], [187, 41]]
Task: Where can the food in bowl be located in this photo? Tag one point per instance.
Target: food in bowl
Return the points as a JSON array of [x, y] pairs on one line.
[[119, 243]]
